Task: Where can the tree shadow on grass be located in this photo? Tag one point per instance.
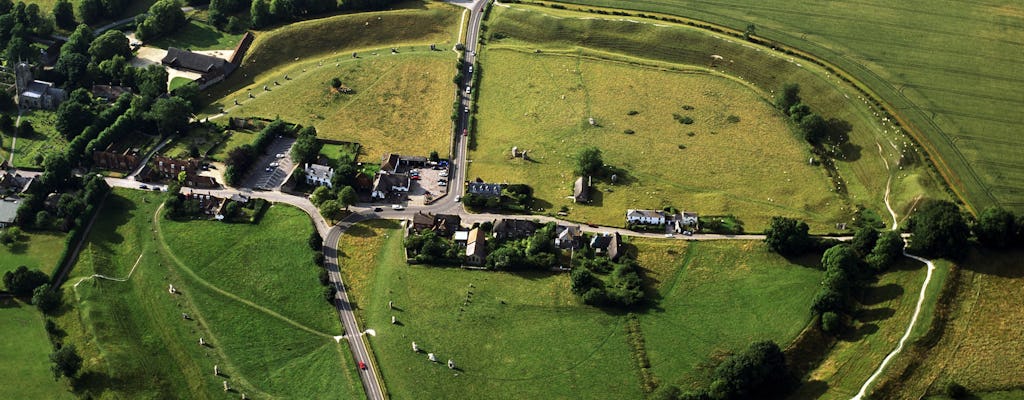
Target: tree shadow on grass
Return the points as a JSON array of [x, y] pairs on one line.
[[360, 231], [880, 294], [855, 335], [1004, 263], [812, 389], [874, 314], [9, 302], [92, 384]]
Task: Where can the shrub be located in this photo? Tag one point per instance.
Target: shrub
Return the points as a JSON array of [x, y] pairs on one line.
[[956, 390], [633, 112], [732, 119], [686, 120], [682, 146], [687, 107], [831, 322], [629, 131]]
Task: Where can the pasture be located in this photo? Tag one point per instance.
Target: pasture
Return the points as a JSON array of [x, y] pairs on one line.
[[25, 371], [861, 162], [526, 334], [754, 168], [920, 57], [264, 346], [197, 35], [980, 347], [35, 250], [399, 102]]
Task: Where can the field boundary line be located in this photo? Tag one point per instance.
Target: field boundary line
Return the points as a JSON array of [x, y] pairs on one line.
[[167, 250]]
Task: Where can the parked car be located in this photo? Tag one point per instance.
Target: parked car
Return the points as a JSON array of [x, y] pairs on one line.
[[279, 155], [143, 187], [156, 189], [443, 174], [471, 68], [377, 209], [669, 235], [397, 207], [687, 233], [415, 177], [465, 132], [274, 164], [458, 198], [362, 365], [268, 169], [468, 89], [414, 172], [466, 109], [442, 183]]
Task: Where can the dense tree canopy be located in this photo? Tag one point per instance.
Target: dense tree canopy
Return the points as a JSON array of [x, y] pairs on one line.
[[165, 16], [170, 115], [589, 161], [109, 44], [787, 236], [64, 14], [759, 372], [996, 228], [66, 361], [939, 230], [22, 281]]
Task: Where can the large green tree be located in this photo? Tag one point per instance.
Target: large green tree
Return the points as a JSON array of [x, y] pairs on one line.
[[589, 161], [64, 14], [996, 228], [109, 44], [170, 115], [66, 361], [72, 118], [22, 281], [939, 230], [787, 236]]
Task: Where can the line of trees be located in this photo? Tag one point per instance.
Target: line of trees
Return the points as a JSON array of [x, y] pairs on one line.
[[758, 372], [266, 13]]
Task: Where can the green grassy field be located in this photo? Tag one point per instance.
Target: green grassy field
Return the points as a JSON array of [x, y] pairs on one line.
[[527, 334], [46, 140], [197, 35], [202, 139], [915, 55], [541, 103], [674, 46], [876, 328], [25, 371], [979, 347], [401, 103], [266, 347], [35, 250]]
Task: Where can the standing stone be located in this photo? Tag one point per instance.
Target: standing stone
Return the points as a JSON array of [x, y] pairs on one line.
[[431, 357], [451, 364], [216, 370], [393, 320], [415, 348], [226, 387]]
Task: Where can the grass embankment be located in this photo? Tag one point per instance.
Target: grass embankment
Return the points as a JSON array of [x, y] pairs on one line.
[[753, 168], [197, 35], [232, 279], [45, 141], [527, 334], [886, 308], [980, 346], [910, 59], [400, 102]]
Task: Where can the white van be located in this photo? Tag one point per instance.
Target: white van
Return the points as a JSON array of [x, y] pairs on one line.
[[397, 207]]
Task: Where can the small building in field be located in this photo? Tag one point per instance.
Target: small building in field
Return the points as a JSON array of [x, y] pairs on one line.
[[608, 245], [646, 217], [319, 175], [581, 190], [476, 247]]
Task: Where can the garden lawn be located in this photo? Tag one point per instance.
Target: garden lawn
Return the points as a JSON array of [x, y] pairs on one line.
[[234, 138], [980, 346], [527, 335], [916, 55], [35, 250], [25, 371], [754, 168], [400, 102], [679, 47], [203, 139], [715, 298], [45, 141], [197, 35], [136, 343]]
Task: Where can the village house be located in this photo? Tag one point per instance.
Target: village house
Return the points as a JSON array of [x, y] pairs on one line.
[[581, 190], [568, 237], [390, 186], [125, 161], [9, 210], [396, 163], [446, 224], [646, 217], [687, 221], [319, 175], [476, 247], [509, 228], [14, 183], [169, 168], [421, 222], [484, 189], [36, 94], [608, 245]]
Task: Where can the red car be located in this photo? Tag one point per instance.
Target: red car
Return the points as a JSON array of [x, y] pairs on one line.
[[415, 177], [464, 132], [362, 365]]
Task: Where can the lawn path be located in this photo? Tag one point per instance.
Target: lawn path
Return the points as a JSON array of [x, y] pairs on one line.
[[101, 276], [14, 140], [920, 298], [167, 250]]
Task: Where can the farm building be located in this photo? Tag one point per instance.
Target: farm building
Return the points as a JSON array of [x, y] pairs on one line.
[[476, 247], [608, 245], [581, 190], [184, 59], [647, 217]]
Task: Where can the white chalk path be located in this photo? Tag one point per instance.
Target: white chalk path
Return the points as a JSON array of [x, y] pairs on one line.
[[99, 276], [920, 298]]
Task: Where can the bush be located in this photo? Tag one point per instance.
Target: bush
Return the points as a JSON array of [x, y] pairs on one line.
[[45, 299], [831, 322], [686, 120], [329, 293], [633, 112], [956, 390], [732, 119], [629, 131], [22, 282]]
